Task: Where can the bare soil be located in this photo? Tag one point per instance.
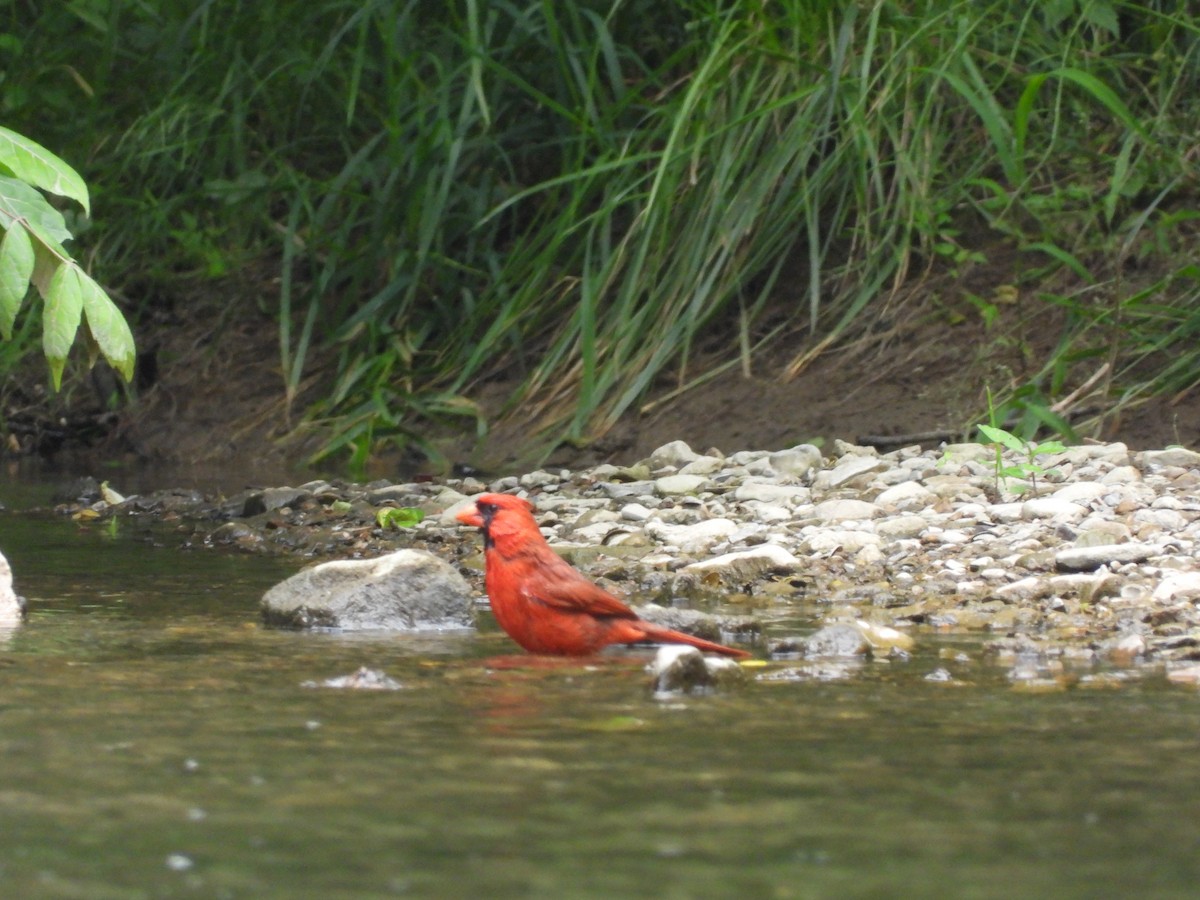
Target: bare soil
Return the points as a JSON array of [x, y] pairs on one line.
[[917, 373]]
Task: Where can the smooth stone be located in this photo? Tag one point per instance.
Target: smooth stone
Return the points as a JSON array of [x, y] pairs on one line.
[[853, 467], [1172, 456], [1178, 586], [635, 512], [1052, 508], [901, 526], [703, 465], [673, 455], [1084, 559], [906, 495], [797, 461], [1081, 491], [1167, 519], [693, 538], [841, 510], [1122, 475], [538, 478], [409, 590], [746, 565], [627, 490], [674, 485]]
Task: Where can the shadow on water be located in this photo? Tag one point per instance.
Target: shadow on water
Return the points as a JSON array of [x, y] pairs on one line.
[[156, 741]]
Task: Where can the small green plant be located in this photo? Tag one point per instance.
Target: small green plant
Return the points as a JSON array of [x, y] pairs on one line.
[[398, 517], [1029, 467]]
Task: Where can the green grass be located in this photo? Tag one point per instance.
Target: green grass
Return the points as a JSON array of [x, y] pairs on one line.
[[578, 196]]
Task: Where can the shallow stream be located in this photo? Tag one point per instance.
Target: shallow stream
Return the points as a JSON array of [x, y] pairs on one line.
[[156, 741]]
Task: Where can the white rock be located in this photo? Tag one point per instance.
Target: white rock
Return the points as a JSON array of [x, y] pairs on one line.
[[1178, 586], [1084, 559], [769, 513], [1052, 508], [901, 526], [703, 465], [635, 512], [1173, 456], [763, 558], [674, 455], [1081, 491], [906, 495], [796, 462], [692, 538], [1121, 475], [1167, 519], [674, 485], [850, 468], [841, 510]]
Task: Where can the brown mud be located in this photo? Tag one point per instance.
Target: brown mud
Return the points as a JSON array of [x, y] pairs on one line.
[[918, 372]]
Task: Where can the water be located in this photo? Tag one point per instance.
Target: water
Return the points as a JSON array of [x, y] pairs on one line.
[[155, 741]]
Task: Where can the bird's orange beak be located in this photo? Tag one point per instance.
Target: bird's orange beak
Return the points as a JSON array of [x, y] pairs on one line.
[[470, 516]]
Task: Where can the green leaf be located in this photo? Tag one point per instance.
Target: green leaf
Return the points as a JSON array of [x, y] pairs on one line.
[[19, 201], [16, 267], [33, 163], [399, 517], [60, 319], [107, 325], [1049, 447], [1000, 436]]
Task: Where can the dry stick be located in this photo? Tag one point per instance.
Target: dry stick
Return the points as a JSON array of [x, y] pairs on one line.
[[1064, 404]]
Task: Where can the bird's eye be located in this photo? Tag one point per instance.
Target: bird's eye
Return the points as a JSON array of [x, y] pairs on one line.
[[486, 507]]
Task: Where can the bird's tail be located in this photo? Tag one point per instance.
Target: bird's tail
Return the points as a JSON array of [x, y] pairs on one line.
[[667, 636]]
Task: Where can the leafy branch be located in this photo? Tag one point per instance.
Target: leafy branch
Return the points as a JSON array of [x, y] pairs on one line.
[[32, 253]]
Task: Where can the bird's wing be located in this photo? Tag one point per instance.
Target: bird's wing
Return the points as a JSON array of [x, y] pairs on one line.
[[559, 586]]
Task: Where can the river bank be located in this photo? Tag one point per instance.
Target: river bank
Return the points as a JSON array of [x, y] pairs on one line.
[[1091, 568]]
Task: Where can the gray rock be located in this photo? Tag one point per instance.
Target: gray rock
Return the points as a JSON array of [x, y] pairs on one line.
[[409, 590], [855, 469], [1172, 456], [258, 502], [627, 490], [1084, 559]]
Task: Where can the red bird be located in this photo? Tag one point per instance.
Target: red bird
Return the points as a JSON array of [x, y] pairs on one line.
[[544, 604]]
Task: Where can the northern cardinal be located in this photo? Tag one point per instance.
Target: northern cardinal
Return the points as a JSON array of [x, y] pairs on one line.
[[543, 603]]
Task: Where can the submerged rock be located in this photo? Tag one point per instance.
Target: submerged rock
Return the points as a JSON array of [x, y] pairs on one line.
[[677, 669], [362, 680], [409, 590]]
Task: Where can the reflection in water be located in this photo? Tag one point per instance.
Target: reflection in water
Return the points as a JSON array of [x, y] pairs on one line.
[[156, 741]]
